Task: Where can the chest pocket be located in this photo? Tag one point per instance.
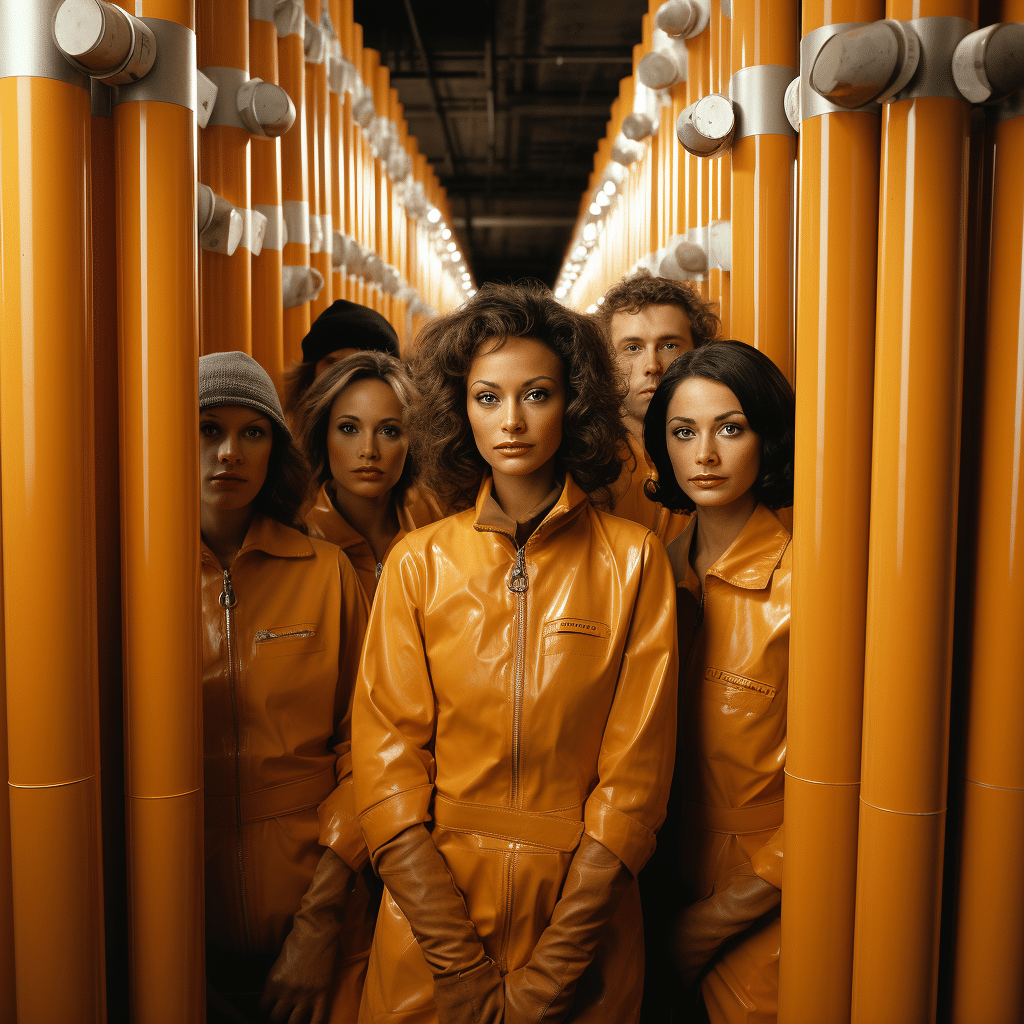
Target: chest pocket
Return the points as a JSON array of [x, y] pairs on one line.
[[280, 641], [585, 637], [738, 691]]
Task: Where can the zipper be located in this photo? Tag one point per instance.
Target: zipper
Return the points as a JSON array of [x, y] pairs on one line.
[[262, 635], [228, 602], [519, 583], [378, 571], [511, 860]]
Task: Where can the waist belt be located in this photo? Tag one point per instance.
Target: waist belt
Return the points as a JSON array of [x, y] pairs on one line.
[[735, 821], [554, 831], [269, 803]]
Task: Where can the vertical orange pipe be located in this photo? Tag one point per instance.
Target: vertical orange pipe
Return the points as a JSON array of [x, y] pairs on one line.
[[8, 1001], [918, 360], [222, 36], [46, 461], [336, 153], [317, 117], [265, 158], [838, 217], [295, 184], [108, 545], [988, 981], [762, 190], [698, 83], [719, 169], [158, 323]]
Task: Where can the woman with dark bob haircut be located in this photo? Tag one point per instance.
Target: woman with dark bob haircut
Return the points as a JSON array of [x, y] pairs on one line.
[[720, 431], [514, 719]]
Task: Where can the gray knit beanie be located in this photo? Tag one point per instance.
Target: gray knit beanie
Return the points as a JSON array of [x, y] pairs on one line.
[[234, 378]]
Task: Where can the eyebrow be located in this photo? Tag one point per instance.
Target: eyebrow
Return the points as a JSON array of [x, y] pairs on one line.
[[525, 384], [349, 416], [724, 416], [209, 413], [660, 337]]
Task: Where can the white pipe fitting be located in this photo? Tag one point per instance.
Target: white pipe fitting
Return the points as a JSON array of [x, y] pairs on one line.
[[705, 128], [300, 285], [720, 243], [625, 151], [665, 65], [290, 18], [265, 109], [691, 258], [104, 41], [206, 98], [316, 233], [220, 224], [683, 18], [988, 64], [791, 103]]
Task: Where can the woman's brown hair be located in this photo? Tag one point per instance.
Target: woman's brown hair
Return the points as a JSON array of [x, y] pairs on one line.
[[593, 437], [284, 491], [313, 413]]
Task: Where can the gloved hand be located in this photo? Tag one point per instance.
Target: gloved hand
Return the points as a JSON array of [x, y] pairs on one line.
[[543, 990], [298, 987], [467, 985], [735, 903]]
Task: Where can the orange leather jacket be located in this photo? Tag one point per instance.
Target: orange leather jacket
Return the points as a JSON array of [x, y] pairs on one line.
[[514, 699], [629, 501], [324, 520], [732, 696], [282, 633]]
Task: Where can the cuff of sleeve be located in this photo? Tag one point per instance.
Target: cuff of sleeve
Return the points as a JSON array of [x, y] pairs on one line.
[[383, 821], [767, 862], [340, 831], [630, 841]]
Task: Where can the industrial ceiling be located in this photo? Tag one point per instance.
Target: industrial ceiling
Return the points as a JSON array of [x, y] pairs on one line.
[[508, 99]]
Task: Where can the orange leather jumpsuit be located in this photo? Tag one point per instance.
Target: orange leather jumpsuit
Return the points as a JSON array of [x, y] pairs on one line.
[[324, 520], [732, 741], [630, 502], [515, 699], [282, 633]]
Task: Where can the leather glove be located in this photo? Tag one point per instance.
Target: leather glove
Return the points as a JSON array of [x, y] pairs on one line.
[[298, 988], [543, 990], [467, 985], [735, 903]]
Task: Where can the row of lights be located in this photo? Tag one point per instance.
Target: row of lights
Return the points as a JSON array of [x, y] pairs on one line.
[[598, 210], [449, 251]]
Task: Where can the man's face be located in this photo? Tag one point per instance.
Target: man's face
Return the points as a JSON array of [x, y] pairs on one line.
[[644, 344]]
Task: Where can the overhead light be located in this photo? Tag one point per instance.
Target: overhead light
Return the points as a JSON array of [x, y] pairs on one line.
[[452, 247], [609, 188], [580, 252], [456, 257], [595, 210], [602, 198], [589, 232], [434, 215], [465, 275], [446, 233]]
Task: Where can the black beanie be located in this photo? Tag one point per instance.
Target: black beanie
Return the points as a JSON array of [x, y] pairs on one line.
[[345, 324]]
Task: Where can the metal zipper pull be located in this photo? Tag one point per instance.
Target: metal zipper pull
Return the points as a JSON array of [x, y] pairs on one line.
[[518, 582], [227, 595], [380, 569]]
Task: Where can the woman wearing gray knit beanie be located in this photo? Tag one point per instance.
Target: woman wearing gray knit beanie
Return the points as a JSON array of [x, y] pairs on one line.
[[289, 917]]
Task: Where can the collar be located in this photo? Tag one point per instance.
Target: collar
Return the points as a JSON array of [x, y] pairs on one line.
[[270, 536], [748, 562], [328, 522], [561, 503]]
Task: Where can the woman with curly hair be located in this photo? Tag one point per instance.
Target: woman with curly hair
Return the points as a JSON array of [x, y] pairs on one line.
[[288, 912], [352, 426], [514, 722], [720, 432]]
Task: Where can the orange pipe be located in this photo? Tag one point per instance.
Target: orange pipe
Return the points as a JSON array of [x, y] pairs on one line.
[[721, 167], [158, 307], [8, 1002], [838, 217], [696, 172], [49, 544], [295, 185], [222, 36], [317, 143], [265, 156], [918, 359], [988, 979], [103, 171], [761, 283], [337, 163]]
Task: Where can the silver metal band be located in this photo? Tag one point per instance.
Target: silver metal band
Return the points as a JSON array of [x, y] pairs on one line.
[[261, 10], [758, 98], [700, 237], [727, 8], [172, 79], [934, 74], [296, 220], [274, 236], [100, 99], [27, 47], [813, 104], [228, 82]]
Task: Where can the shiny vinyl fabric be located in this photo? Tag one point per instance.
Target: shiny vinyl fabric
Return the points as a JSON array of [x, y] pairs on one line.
[[277, 685], [732, 697], [325, 521], [515, 700], [630, 502]]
